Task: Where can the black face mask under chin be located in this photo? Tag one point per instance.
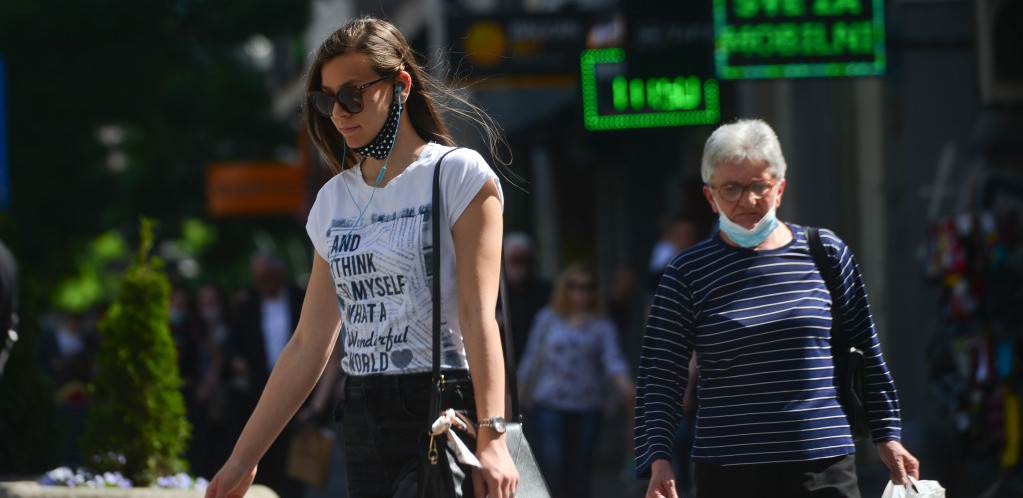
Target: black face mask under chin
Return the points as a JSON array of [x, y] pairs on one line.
[[380, 147]]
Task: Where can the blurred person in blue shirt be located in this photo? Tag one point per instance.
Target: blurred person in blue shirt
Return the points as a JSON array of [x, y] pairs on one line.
[[572, 357]]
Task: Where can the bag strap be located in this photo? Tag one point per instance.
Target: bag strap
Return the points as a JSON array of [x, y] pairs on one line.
[[823, 263], [848, 359], [507, 344], [827, 271], [435, 260]]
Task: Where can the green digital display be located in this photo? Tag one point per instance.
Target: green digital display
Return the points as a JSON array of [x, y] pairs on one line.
[[613, 100], [798, 38]]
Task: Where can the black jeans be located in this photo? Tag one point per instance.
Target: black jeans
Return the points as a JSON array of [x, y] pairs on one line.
[[825, 478], [382, 420]]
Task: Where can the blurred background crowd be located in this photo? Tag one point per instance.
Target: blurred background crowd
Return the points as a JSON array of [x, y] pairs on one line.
[[187, 111]]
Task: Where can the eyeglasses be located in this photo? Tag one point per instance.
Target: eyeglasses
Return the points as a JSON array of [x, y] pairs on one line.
[[348, 97], [732, 192]]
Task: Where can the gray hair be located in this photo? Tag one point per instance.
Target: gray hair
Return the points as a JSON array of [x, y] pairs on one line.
[[517, 240], [751, 139]]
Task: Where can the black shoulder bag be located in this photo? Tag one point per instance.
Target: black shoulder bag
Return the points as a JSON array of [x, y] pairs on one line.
[[439, 474], [848, 359]]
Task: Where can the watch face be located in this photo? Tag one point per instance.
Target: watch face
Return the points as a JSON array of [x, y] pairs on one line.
[[496, 423]]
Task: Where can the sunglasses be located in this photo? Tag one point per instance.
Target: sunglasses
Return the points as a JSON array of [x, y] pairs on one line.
[[732, 192], [349, 98]]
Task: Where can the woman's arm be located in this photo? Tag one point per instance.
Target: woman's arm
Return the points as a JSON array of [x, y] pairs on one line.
[[881, 399], [293, 377], [477, 235], [663, 371]]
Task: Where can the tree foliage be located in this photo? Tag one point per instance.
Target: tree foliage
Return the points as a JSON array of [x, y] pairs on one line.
[[137, 422], [168, 75]]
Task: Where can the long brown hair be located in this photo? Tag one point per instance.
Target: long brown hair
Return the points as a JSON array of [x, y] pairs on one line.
[[389, 53]]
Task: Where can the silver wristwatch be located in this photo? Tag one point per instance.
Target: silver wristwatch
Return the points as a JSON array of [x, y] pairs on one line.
[[495, 423]]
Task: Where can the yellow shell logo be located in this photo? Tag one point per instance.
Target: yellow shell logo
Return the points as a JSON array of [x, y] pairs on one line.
[[485, 43]]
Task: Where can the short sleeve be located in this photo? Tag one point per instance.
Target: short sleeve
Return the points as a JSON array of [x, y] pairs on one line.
[[316, 226], [463, 174]]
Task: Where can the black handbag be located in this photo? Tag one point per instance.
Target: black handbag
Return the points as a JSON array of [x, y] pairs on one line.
[[848, 359], [439, 474]]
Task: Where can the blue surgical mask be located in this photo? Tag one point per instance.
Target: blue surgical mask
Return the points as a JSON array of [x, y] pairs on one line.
[[748, 237]]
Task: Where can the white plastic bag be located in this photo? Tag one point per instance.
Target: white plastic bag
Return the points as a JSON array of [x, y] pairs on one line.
[[914, 489]]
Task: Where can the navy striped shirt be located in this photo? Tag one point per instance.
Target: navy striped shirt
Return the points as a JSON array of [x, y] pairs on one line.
[[760, 324]]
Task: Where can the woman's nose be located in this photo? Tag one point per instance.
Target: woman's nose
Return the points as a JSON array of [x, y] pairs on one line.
[[338, 111], [747, 199]]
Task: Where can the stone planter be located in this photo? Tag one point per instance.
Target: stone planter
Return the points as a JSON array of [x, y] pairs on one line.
[[30, 489]]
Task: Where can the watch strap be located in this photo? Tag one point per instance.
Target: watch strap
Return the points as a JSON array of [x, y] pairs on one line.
[[491, 422]]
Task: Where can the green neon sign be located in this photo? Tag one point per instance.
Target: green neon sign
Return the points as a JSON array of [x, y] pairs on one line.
[[798, 38], [612, 100]]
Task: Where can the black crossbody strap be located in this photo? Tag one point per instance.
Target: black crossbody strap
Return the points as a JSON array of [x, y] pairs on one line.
[[506, 342], [848, 360], [820, 258], [435, 220], [511, 376]]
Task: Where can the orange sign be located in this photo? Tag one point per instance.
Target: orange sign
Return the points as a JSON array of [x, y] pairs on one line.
[[242, 188]]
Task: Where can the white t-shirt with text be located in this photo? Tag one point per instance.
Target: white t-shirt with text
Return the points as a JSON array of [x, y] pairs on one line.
[[381, 269]]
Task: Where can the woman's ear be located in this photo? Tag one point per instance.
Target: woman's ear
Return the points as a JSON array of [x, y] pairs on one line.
[[709, 195], [781, 192], [404, 79]]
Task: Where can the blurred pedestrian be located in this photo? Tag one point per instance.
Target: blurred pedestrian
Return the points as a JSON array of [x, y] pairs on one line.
[[527, 292], [263, 325], [374, 114], [677, 233], [626, 307], [212, 396], [215, 312], [67, 351], [572, 362], [187, 331], [624, 303], [751, 304]]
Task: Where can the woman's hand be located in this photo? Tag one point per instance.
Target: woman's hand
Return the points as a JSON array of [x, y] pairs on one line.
[[662, 481], [899, 461], [498, 478], [232, 481]]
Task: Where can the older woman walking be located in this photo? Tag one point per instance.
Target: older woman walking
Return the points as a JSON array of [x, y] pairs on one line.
[[751, 304]]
